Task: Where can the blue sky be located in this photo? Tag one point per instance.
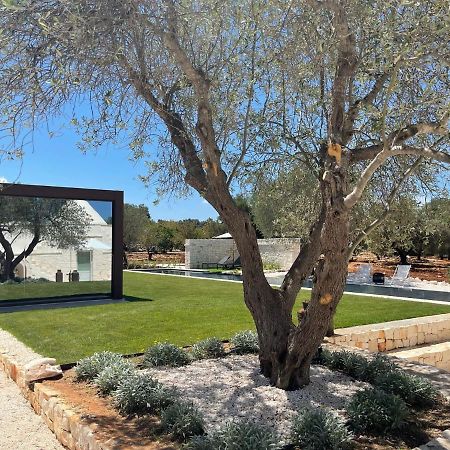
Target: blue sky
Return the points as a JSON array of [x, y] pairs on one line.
[[57, 161]]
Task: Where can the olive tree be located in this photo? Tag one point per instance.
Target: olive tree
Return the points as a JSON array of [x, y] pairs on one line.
[[60, 223], [209, 90]]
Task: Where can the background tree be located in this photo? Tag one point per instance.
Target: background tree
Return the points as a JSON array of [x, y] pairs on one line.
[[159, 236], [59, 223], [136, 219], [226, 88], [437, 214]]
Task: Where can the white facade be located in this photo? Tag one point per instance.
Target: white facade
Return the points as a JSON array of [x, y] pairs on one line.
[[93, 261]]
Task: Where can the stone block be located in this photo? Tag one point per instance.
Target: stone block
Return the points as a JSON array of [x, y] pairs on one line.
[[389, 345], [382, 346], [413, 341], [373, 346], [381, 335], [46, 392], [398, 343], [420, 338]]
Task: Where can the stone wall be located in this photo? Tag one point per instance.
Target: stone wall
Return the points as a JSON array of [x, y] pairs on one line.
[[381, 337], [437, 355], [70, 427], [280, 252]]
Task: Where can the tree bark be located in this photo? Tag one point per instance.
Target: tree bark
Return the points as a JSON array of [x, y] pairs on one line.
[[403, 255]]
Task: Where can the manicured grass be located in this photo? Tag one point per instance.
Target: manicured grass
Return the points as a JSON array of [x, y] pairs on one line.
[[174, 309], [49, 289]]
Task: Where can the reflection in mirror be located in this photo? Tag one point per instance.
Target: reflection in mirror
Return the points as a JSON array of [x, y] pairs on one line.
[[54, 247]]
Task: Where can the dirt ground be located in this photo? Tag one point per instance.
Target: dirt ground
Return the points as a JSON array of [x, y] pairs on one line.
[[428, 268], [159, 258]]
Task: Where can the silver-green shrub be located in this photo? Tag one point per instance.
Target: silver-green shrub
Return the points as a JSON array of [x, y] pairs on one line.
[[379, 364], [319, 429], [237, 436], [88, 368], [208, 348], [245, 342], [414, 390], [141, 394], [375, 411], [165, 354], [110, 377], [182, 420]]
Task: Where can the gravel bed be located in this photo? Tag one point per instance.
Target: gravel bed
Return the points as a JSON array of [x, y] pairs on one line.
[[16, 349], [232, 388]]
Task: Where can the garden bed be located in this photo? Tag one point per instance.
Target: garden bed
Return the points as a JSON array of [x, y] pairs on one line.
[[231, 388]]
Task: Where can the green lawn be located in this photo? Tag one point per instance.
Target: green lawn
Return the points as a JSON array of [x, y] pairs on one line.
[[18, 291], [179, 310]]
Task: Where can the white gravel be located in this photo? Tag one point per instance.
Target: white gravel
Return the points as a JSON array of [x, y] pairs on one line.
[[20, 427], [233, 388]]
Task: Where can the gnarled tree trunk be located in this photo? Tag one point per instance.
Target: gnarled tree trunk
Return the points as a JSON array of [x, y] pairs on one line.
[[286, 350]]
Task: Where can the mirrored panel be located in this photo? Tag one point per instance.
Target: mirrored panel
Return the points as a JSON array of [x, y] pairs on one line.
[[53, 248]]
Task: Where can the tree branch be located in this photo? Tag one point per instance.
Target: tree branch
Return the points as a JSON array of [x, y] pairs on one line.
[[401, 135], [355, 108], [361, 236], [304, 263]]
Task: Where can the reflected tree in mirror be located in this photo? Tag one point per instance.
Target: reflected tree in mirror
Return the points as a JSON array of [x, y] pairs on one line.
[[58, 222]]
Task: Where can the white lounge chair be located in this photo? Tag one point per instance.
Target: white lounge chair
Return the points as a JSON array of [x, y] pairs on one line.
[[364, 272], [401, 272]]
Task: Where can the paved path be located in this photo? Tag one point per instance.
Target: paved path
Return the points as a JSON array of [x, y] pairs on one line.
[[20, 427]]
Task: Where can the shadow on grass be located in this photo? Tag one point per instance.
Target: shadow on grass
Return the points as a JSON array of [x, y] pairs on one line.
[[130, 298]]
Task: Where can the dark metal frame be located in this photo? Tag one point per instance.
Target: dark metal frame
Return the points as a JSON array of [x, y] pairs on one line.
[[69, 193]]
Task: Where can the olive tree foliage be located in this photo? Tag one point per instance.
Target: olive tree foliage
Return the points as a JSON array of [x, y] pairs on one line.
[[208, 91], [57, 222]]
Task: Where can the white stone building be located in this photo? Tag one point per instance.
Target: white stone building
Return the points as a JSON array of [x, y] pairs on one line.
[[93, 261]]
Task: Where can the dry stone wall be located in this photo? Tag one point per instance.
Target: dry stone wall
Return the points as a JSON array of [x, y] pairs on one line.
[[201, 252]]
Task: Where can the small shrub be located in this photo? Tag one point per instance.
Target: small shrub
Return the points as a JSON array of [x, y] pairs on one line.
[[415, 391], [376, 411], [200, 443], [379, 364], [323, 357], [237, 436], [182, 420], [352, 364], [88, 368], [208, 348], [165, 354], [141, 394], [245, 342], [110, 377], [320, 429]]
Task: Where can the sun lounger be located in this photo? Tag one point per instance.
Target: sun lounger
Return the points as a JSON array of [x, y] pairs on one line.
[[401, 272], [225, 262], [364, 272]]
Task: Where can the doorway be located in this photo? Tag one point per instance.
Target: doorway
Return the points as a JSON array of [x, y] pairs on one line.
[[84, 265]]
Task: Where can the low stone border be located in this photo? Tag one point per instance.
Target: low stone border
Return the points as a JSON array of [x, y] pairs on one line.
[[381, 337], [68, 426]]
